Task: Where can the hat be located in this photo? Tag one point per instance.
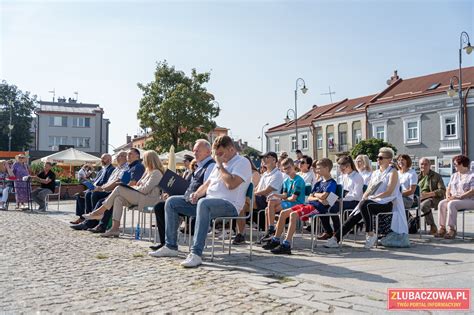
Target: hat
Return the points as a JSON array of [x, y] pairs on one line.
[[188, 157], [284, 154], [272, 154]]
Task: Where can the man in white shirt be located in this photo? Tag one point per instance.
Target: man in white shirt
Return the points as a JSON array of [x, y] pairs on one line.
[[224, 193]]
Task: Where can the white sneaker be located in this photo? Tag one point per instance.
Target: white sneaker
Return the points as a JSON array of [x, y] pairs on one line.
[[164, 252], [331, 243], [370, 241], [192, 261]]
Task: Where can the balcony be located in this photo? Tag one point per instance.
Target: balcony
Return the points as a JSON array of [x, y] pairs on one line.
[[450, 145]]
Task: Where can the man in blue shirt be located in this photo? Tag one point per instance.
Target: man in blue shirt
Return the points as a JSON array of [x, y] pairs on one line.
[[135, 166]]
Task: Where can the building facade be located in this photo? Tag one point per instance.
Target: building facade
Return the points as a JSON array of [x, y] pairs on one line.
[[68, 123]]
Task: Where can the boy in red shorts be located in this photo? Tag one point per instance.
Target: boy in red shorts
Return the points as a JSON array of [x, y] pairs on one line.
[[317, 204]]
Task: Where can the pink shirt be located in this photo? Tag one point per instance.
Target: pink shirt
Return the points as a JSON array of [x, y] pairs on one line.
[[461, 183]]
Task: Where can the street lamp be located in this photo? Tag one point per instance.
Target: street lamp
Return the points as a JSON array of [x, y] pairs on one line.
[[299, 84], [452, 91], [261, 138], [287, 120], [464, 39], [10, 127]]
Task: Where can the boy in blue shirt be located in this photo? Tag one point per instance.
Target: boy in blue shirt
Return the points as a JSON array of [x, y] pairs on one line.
[[317, 204], [292, 195]]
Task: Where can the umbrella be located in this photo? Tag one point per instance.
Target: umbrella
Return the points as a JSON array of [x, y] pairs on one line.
[[71, 157], [172, 160], [179, 157]]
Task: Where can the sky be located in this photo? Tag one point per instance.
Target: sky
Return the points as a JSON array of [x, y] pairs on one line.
[[254, 50]]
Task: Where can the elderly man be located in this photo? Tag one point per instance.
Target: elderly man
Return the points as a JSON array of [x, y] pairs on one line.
[[432, 191], [84, 204], [47, 178], [224, 195], [202, 151], [119, 175]]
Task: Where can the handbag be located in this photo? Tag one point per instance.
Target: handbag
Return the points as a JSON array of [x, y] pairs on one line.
[[413, 223]]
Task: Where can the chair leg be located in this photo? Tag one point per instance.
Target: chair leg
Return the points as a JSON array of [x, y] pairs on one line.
[[251, 234], [377, 230], [223, 235], [312, 234], [124, 221], [213, 238], [189, 235], [463, 224], [230, 237]]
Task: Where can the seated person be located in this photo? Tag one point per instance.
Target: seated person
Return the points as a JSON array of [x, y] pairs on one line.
[[84, 173], [353, 186], [144, 194], [205, 165], [317, 204], [84, 203], [47, 178], [305, 170], [5, 186], [293, 193], [432, 191], [364, 167], [408, 179], [224, 193], [381, 195], [119, 175], [459, 195]]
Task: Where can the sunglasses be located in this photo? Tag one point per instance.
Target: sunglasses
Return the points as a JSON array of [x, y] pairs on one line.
[[382, 157], [302, 162]]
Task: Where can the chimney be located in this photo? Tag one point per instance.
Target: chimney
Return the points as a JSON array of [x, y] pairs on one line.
[[129, 139], [393, 78]]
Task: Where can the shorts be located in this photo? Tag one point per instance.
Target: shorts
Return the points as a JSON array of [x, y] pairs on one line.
[[303, 211], [288, 204], [261, 202]]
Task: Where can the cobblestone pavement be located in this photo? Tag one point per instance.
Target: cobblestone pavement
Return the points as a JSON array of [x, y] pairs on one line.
[[45, 266]]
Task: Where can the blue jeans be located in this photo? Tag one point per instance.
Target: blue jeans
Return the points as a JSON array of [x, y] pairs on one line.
[[174, 206], [208, 209]]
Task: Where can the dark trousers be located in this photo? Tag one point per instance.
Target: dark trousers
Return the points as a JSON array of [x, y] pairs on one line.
[[95, 197], [105, 219], [335, 220], [370, 208], [160, 220], [348, 225], [80, 205]]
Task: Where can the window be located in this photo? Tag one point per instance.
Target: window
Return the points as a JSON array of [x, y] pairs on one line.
[[433, 86], [340, 109], [58, 121], [359, 105], [276, 143], [412, 129], [293, 143], [304, 141], [81, 122], [80, 142], [380, 132], [330, 140], [56, 140], [342, 138], [357, 136], [450, 126], [319, 141]]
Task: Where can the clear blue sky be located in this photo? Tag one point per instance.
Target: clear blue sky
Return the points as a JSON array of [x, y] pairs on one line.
[[255, 51]]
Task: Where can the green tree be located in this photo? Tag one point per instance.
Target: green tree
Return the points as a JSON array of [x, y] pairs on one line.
[[370, 147], [21, 105], [177, 108]]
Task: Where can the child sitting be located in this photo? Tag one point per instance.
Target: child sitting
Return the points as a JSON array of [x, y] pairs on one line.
[[317, 204]]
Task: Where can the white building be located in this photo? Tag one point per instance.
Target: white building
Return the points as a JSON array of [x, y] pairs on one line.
[[73, 124]]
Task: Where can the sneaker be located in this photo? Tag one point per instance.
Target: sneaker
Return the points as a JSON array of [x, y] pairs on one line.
[[331, 243], [164, 252], [281, 250], [40, 210], [239, 239], [370, 242], [271, 244], [192, 261], [266, 237], [156, 247]]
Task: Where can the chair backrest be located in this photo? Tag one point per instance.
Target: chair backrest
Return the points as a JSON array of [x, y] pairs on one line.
[[250, 191], [417, 191], [339, 191], [364, 188], [58, 185], [307, 190]]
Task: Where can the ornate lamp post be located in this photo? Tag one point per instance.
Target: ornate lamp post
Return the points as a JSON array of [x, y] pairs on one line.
[[464, 39], [10, 127], [299, 84], [261, 138]]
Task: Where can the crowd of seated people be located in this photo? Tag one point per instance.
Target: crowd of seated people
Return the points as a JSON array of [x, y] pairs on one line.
[[296, 190]]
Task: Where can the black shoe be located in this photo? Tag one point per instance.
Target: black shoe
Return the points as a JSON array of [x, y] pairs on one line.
[[156, 247], [79, 227], [239, 239], [266, 237], [271, 244], [97, 229], [282, 249]]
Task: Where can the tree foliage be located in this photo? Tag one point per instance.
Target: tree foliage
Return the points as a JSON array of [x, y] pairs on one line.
[[177, 108], [370, 147], [22, 106]]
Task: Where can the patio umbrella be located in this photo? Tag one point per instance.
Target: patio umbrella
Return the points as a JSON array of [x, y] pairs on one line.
[[71, 157], [172, 160]]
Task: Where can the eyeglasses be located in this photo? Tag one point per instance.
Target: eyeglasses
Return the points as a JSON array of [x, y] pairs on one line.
[[382, 157]]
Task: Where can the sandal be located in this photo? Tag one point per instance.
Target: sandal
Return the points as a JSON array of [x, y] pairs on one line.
[[441, 232], [451, 235]]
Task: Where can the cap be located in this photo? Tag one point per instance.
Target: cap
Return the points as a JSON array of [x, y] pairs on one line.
[[188, 157], [272, 154]]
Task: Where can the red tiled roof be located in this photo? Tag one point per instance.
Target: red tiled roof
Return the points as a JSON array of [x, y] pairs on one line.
[[418, 86], [348, 107], [305, 119]]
